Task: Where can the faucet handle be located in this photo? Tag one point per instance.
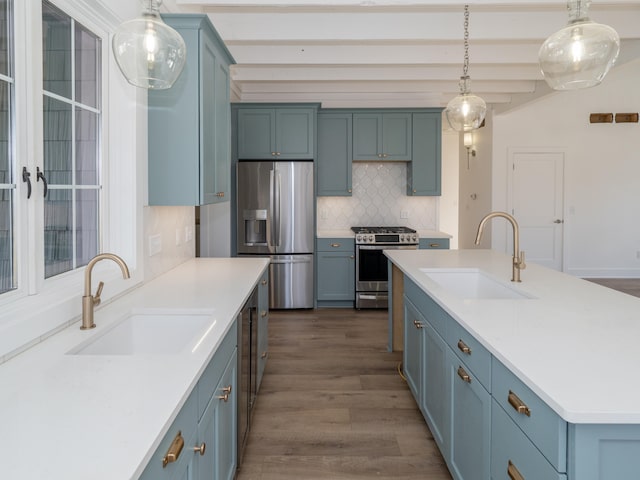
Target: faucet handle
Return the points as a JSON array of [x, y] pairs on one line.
[[522, 265], [96, 297]]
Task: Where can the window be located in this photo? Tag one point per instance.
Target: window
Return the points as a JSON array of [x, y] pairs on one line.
[[7, 174], [71, 137]]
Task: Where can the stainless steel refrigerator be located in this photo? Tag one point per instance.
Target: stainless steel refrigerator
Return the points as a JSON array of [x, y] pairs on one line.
[[275, 218]]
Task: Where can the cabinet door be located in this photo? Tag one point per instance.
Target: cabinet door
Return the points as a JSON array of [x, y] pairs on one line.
[[263, 327], [434, 243], [424, 170], [396, 136], [217, 431], [336, 276], [256, 133], [222, 134], [295, 133], [436, 400], [208, 124], [412, 359], [470, 442], [334, 154], [367, 136]]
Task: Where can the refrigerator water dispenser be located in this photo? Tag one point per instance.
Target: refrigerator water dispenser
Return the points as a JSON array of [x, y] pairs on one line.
[[255, 227]]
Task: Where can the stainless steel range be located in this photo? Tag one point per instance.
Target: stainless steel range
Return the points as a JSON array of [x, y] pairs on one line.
[[372, 283]]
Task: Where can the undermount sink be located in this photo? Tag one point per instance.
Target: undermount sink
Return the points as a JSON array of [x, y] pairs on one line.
[[472, 283], [150, 332]]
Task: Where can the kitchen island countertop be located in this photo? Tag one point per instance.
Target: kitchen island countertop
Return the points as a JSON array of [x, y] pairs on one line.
[[71, 417], [574, 343]]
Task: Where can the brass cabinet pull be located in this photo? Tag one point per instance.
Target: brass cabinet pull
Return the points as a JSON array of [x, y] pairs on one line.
[[226, 391], [174, 450], [220, 194], [518, 405], [434, 245], [417, 324], [264, 313], [264, 355], [264, 282], [201, 449], [349, 190], [335, 245], [352, 257], [463, 347], [513, 472], [464, 375]]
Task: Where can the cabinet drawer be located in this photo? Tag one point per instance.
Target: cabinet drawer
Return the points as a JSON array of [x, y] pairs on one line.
[[536, 419], [335, 245], [512, 451], [434, 314], [214, 370], [434, 243], [471, 352], [185, 423]]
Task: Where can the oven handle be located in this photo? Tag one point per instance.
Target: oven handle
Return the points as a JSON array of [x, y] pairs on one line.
[[365, 296], [387, 247]]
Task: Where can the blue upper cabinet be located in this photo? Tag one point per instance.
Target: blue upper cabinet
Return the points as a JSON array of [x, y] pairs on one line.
[[277, 133], [190, 123], [424, 171], [334, 154], [382, 136]]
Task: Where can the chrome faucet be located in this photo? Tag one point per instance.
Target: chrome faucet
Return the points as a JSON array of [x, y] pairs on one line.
[[89, 301], [518, 257]]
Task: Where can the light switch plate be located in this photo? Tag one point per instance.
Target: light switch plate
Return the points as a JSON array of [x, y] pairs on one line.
[[155, 244]]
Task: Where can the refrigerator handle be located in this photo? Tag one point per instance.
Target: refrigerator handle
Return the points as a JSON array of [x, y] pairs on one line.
[[272, 209], [276, 211]]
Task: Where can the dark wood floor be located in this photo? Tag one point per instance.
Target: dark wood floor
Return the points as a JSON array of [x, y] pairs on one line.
[[333, 406]]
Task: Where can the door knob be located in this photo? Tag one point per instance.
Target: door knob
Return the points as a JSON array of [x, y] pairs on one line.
[[557, 220]]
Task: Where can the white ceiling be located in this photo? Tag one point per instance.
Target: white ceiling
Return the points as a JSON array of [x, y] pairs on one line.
[[349, 53]]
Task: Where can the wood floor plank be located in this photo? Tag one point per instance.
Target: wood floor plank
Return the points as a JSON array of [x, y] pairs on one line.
[[333, 406]]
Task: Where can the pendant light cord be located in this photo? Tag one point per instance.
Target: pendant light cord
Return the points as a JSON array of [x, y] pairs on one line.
[[465, 67]]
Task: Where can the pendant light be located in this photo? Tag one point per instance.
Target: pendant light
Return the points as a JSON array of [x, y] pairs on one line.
[[150, 54], [466, 111], [581, 54]]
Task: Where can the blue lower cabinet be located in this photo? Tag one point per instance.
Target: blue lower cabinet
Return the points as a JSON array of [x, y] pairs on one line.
[[336, 272], [263, 326], [433, 243], [513, 455], [412, 360], [470, 444]]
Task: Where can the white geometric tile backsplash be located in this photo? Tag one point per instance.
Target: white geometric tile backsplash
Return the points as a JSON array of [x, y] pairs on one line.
[[378, 199]]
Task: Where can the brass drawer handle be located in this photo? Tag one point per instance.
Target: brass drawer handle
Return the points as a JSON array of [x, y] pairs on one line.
[[335, 245], [464, 375], [513, 472], [201, 449], [264, 282], [174, 450], [518, 405], [220, 194], [434, 245], [264, 313], [463, 347], [417, 324], [226, 391]]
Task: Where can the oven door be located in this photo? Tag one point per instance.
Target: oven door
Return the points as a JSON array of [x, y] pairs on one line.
[[371, 266]]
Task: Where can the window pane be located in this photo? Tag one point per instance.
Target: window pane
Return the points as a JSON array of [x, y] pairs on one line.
[[86, 147], [87, 226], [87, 66], [58, 232], [57, 142], [56, 50], [7, 273], [5, 38]]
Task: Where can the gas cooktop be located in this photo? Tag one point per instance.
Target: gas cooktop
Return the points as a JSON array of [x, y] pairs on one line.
[[381, 230]]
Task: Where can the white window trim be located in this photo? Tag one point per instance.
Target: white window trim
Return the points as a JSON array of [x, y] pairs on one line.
[[40, 308]]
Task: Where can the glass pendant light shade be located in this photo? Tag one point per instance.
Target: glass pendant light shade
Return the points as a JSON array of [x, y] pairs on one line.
[[150, 54], [581, 54], [466, 111]]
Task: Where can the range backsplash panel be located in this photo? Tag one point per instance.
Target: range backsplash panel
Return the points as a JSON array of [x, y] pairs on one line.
[[378, 198]]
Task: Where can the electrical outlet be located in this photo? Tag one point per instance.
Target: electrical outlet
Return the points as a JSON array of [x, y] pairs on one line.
[[404, 213], [178, 237], [155, 244]]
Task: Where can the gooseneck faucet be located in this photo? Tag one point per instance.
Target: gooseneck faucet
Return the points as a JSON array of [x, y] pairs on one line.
[[518, 257], [89, 301]]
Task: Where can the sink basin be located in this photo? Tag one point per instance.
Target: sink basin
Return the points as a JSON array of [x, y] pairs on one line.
[[472, 283], [148, 332]]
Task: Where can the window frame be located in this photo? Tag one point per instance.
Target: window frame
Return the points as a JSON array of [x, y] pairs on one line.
[[40, 307]]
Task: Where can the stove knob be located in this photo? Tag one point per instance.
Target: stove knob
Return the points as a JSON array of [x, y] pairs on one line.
[[414, 237], [358, 238], [371, 238], [402, 239]]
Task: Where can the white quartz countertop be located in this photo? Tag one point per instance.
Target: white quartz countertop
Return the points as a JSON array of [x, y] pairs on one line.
[[74, 417], [575, 343]]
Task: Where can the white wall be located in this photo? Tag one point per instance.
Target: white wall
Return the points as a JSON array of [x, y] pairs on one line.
[[602, 171]]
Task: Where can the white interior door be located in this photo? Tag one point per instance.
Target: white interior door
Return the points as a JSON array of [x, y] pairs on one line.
[[537, 192]]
